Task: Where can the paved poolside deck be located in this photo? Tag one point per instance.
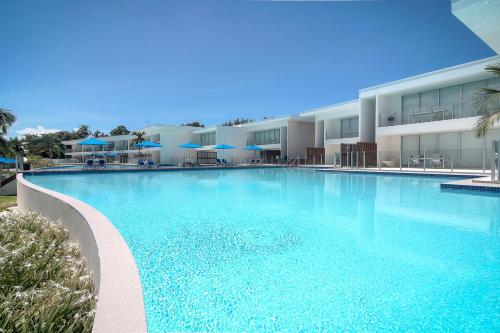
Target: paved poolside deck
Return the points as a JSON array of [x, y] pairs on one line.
[[475, 180]]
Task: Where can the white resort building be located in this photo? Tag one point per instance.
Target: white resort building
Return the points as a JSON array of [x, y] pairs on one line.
[[422, 121]]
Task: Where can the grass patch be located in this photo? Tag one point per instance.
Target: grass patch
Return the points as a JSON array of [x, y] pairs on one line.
[[7, 201], [43, 283]]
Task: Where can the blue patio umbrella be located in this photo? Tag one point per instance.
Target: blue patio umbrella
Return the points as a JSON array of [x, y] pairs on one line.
[[92, 142], [147, 144], [224, 147], [190, 146], [254, 148], [5, 160]]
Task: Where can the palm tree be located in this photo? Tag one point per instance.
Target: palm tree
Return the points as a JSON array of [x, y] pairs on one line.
[[487, 103], [139, 136], [50, 143], [7, 118]]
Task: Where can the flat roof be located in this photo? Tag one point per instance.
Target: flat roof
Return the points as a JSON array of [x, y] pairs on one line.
[[484, 62], [328, 107]]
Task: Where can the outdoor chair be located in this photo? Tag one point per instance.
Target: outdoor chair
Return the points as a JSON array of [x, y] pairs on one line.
[[89, 164], [102, 163], [140, 163], [414, 161], [436, 161], [151, 163]]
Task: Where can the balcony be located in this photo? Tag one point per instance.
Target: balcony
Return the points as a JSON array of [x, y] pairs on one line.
[[335, 135], [425, 115]]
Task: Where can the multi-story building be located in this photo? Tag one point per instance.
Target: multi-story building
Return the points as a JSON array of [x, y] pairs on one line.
[[433, 114], [426, 120], [334, 125], [122, 146]]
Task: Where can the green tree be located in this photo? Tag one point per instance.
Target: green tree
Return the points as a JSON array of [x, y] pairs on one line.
[[487, 103], [194, 124], [82, 132], [7, 118], [11, 148], [237, 121], [139, 137], [44, 145], [64, 135], [119, 130], [99, 134]]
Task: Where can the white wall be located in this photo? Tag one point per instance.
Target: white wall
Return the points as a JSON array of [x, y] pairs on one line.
[[388, 105], [171, 138], [319, 134], [367, 120], [300, 137], [234, 136], [332, 129]]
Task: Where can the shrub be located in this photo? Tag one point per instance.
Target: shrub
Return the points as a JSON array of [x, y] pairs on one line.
[[38, 162], [43, 283]]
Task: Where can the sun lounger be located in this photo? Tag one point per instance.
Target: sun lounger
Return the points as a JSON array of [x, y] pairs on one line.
[[89, 164], [102, 163]]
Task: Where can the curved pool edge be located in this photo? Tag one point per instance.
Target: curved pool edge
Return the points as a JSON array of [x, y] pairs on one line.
[[120, 305]]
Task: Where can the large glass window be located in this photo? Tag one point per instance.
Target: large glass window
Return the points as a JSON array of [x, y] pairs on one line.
[[267, 137], [469, 91], [207, 139], [449, 100], [349, 127], [429, 100], [411, 104], [445, 103]]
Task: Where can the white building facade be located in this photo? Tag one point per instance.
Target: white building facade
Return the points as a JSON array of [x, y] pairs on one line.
[[422, 121]]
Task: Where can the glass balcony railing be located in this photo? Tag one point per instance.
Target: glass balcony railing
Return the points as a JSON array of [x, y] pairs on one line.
[[333, 135], [429, 114]]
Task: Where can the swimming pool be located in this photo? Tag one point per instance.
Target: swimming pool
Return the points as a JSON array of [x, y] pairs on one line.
[[298, 250]]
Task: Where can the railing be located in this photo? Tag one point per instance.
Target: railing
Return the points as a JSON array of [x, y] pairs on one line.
[[472, 160], [429, 114], [334, 135], [495, 160]]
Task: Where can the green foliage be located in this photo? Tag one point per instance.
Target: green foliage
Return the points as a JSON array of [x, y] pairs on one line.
[[11, 148], [119, 130], [139, 136], [43, 283], [45, 145], [7, 118], [194, 124], [82, 132], [99, 134], [38, 162], [237, 121], [487, 103]]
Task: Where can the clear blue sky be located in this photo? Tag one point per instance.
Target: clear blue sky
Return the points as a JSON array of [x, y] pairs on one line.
[[104, 63]]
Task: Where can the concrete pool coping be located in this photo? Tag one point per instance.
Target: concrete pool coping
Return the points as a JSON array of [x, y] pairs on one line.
[[158, 169], [120, 305]]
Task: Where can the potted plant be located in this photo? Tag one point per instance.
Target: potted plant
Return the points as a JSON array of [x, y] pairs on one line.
[[391, 119]]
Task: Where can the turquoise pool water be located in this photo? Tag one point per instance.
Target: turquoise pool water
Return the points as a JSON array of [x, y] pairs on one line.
[[263, 250]]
